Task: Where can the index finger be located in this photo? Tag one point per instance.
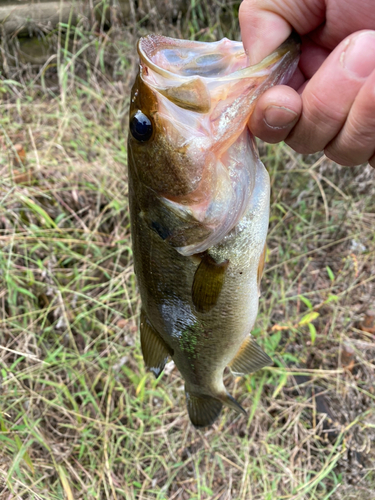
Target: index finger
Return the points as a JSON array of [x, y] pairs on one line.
[[265, 24]]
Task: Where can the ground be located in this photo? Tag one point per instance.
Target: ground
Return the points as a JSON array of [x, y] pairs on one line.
[[80, 418]]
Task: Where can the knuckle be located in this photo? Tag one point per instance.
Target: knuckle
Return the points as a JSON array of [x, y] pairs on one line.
[[319, 124], [356, 141], [323, 114], [362, 129], [305, 138], [338, 157], [273, 138], [300, 146]]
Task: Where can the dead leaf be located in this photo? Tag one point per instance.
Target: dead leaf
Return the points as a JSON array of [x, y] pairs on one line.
[[122, 323], [20, 156], [368, 324], [22, 177]]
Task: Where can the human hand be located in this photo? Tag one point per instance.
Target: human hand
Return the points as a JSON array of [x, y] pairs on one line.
[[330, 103]]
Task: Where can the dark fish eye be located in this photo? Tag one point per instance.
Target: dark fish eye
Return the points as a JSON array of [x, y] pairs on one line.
[[141, 127]]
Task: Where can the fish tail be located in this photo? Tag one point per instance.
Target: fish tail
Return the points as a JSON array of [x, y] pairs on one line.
[[204, 409]]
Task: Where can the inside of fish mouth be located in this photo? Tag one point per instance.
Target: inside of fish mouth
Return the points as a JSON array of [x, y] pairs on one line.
[[187, 62]]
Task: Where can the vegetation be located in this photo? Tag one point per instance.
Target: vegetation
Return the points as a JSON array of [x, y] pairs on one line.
[[79, 416]]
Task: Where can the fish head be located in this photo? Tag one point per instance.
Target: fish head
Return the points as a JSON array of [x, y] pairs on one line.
[[189, 146]]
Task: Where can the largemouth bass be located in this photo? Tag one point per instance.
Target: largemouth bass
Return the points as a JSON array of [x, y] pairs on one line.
[[199, 207]]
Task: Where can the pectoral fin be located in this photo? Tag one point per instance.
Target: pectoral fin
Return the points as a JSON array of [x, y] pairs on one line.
[[155, 351], [250, 358], [208, 282], [203, 410]]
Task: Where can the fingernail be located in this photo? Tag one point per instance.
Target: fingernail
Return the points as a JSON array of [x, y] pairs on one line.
[[279, 117], [359, 56]]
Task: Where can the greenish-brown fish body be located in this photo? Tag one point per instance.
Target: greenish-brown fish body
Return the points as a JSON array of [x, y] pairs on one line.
[[199, 206]]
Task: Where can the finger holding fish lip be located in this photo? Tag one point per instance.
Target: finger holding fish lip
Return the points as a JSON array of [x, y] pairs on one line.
[[337, 110], [329, 95], [278, 110], [265, 24]]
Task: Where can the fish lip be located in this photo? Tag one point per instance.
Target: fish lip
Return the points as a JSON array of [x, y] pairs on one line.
[[292, 45]]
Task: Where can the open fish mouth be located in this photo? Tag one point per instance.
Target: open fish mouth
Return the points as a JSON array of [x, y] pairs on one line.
[[181, 59], [205, 95], [190, 72]]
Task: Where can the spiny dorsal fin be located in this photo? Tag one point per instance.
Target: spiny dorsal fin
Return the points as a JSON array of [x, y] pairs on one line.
[[203, 410], [261, 266], [250, 358], [208, 282], [155, 351]]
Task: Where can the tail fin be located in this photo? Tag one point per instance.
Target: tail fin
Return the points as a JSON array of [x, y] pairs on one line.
[[204, 410]]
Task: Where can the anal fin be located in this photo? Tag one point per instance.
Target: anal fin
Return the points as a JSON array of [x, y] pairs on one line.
[[250, 358], [155, 351], [208, 282]]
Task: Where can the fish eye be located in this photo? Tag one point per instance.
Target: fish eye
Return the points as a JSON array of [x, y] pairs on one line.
[[141, 127]]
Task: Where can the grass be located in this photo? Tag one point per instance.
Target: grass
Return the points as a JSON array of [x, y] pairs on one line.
[[79, 416]]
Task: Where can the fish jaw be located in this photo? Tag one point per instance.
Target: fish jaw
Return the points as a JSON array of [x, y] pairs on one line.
[[202, 97]]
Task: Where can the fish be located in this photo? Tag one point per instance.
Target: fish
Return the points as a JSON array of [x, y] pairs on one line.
[[199, 201]]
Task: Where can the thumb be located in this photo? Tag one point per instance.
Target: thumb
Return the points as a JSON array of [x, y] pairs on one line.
[[266, 24]]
